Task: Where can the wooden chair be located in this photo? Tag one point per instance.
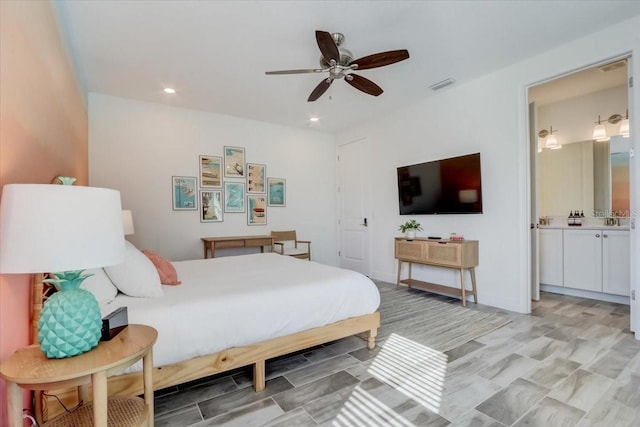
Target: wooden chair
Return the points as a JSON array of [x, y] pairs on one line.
[[286, 243]]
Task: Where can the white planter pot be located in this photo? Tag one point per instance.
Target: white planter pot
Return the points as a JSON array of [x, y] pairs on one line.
[[411, 234]]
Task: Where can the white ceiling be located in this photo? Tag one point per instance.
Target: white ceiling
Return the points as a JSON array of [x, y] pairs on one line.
[[215, 53]]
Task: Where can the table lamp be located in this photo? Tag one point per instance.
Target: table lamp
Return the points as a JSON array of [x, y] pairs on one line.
[[127, 222], [62, 230]]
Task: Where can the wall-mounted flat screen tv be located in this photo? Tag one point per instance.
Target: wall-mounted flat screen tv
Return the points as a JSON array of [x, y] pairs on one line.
[[447, 186]]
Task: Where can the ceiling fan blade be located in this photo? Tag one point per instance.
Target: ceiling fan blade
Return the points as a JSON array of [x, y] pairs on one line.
[[327, 46], [320, 89], [380, 59], [365, 85], [310, 70]]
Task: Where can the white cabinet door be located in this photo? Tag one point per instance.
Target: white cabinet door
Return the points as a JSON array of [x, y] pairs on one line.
[[583, 259], [551, 257], [615, 262]]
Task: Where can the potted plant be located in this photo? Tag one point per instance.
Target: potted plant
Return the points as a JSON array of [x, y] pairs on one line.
[[410, 227]]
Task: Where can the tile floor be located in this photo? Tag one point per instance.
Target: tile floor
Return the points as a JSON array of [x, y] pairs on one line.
[[572, 362]]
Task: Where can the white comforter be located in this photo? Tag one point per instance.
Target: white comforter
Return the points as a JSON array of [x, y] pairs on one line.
[[238, 300]]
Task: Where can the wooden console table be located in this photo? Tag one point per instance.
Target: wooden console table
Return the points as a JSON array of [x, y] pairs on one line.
[[460, 255], [212, 243]]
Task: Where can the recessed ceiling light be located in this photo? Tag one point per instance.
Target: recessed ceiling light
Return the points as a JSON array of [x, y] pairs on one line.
[[314, 119], [169, 90]]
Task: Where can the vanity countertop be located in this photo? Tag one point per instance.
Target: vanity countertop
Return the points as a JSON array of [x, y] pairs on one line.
[[585, 227]]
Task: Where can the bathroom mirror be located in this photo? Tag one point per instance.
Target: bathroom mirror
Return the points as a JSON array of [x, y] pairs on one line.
[[588, 176]]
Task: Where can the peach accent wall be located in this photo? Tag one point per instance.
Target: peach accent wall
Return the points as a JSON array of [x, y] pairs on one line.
[[43, 133]]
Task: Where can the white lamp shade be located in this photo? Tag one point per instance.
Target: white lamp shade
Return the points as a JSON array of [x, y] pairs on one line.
[[551, 141], [127, 222], [624, 128], [599, 133], [53, 228]]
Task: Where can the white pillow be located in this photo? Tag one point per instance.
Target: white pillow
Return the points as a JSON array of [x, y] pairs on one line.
[[99, 285], [137, 276]]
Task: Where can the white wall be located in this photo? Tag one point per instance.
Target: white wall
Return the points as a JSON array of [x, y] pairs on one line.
[[488, 115], [136, 147], [573, 119]]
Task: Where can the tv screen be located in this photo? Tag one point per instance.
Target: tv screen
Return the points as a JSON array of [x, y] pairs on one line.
[[447, 186]]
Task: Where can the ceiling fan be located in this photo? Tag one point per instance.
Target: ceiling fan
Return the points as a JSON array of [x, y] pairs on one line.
[[339, 63]]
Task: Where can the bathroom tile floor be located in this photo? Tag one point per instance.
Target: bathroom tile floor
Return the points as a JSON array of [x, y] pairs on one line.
[[572, 362]]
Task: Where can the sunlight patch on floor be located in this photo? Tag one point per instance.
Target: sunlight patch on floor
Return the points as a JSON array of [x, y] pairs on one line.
[[363, 409], [413, 369]]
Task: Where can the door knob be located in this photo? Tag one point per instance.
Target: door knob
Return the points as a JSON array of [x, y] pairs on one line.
[[365, 222]]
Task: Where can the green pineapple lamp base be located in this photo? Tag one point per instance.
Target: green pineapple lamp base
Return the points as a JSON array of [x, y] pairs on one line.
[[70, 322]]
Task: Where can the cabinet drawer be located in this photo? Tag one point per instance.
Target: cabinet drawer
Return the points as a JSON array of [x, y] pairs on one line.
[[226, 244], [445, 254], [411, 251]]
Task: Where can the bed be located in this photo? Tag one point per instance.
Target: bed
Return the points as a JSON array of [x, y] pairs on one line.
[[231, 312]]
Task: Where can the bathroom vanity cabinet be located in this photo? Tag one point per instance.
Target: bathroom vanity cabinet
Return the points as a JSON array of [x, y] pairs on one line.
[[592, 259]]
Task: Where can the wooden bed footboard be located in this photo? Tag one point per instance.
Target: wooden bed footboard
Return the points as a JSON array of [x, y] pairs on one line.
[[203, 366]]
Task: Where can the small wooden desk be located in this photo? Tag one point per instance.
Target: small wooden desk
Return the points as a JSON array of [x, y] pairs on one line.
[[29, 368], [212, 243]]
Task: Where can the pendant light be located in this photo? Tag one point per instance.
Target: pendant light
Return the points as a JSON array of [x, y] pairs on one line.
[[599, 132], [550, 141], [624, 126]]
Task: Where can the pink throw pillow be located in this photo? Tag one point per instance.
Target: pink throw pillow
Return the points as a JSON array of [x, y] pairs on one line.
[[168, 274]]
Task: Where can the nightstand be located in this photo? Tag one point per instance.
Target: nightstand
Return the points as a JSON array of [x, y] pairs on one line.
[[30, 369]]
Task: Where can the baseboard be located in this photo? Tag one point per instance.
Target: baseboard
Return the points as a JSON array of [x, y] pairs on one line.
[[586, 294]]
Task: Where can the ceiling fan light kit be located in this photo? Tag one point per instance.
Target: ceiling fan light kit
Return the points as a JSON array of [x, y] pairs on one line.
[[339, 63]]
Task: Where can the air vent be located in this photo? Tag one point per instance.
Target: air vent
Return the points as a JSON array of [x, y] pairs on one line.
[[613, 65], [443, 83]]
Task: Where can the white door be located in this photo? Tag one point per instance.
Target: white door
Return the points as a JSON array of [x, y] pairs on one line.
[[354, 206], [634, 188], [533, 205]]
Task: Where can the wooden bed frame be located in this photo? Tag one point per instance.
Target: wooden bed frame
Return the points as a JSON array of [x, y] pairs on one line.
[[202, 366]]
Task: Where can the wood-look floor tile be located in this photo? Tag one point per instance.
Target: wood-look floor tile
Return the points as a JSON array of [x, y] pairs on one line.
[[474, 418], [582, 389], [551, 372], [195, 394], [184, 416], [626, 390], [255, 415], [609, 413], [296, 418], [541, 348], [465, 395], [318, 370], [245, 396], [273, 369], [505, 371], [463, 350], [581, 351], [551, 413], [335, 348], [510, 403], [610, 364], [299, 396]]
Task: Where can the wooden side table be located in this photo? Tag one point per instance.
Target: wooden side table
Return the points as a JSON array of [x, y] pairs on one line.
[[29, 368]]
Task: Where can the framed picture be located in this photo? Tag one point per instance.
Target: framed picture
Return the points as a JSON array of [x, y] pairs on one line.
[[184, 193], [234, 162], [211, 206], [256, 178], [277, 191], [210, 171], [256, 210], [234, 196]]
